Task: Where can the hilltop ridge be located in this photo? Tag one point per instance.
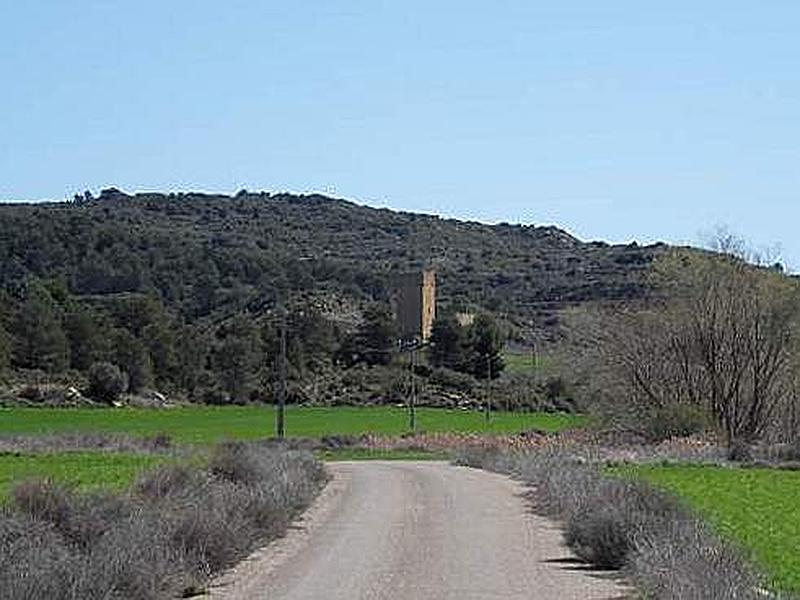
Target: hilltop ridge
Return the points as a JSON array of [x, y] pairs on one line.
[[206, 252]]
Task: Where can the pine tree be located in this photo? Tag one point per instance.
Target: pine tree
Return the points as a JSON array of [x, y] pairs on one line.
[[192, 350], [40, 342], [159, 338], [86, 341], [486, 342], [447, 344], [378, 335], [373, 341], [238, 357], [5, 351], [132, 356]]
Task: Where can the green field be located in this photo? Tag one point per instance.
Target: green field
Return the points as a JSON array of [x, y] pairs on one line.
[[210, 424], [518, 363], [757, 508], [83, 470]]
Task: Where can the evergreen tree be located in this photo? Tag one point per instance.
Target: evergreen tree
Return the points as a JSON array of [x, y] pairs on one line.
[[317, 335], [378, 335], [137, 312], [86, 341], [106, 382], [40, 342], [5, 352], [486, 342], [159, 338], [447, 344], [132, 356], [374, 340], [238, 357], [192, 350], [310, 340]]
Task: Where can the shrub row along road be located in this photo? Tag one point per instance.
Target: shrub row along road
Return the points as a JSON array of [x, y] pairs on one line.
[[416, 530]]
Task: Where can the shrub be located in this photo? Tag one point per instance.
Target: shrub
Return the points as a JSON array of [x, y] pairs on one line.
[[176, 528], [31, 392], [71, 441], [675, 421], [740, 451], [449, 379], [614, 523], [106, 382], [603, 530], [35, 562], [41, 500], [600, 535], [166, 480], [683, 560], [785, 452]]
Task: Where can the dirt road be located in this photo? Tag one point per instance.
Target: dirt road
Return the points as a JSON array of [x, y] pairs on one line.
[[415, 531]]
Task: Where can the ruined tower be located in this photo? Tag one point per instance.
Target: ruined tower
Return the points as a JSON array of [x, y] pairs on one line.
[[415, 304]]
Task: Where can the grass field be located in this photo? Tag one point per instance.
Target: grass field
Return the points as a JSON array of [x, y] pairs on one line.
[[518, 363], [210, 424], [84, 470], [757, 508]]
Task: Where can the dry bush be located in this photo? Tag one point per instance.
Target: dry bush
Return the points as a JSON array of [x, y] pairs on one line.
[[683, 560], [42, 500], [612, 514], [167, 536], [81, 441], [600, 535], [35, 561], [166, 480], [617, 524]]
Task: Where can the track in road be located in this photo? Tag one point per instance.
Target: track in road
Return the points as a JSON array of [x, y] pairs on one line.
[[401, 530]]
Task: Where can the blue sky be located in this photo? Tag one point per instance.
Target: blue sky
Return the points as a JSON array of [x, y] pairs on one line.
[[618, 120]]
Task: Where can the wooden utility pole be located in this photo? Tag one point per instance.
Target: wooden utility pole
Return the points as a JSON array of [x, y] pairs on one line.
[[412, 400], [280, 415], [488, 386]]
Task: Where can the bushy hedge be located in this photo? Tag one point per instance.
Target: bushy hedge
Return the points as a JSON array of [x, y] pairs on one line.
[[166, 537]]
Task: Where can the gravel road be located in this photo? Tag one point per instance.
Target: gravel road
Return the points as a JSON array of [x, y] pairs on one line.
[[402, 530]]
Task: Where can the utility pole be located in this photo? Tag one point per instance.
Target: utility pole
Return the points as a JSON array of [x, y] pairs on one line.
[[488, 386], [280, 415], [412, 401]]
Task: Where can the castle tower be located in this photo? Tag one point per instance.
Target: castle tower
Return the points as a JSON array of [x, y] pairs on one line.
[[415, 304]]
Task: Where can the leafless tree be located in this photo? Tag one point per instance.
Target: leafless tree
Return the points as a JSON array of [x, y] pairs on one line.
[[720, 334]]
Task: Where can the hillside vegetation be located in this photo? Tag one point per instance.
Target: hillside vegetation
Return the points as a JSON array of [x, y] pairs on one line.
[[179, 291], [201, 252]]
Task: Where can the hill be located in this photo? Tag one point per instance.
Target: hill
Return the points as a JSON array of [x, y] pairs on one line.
[[178, 292], [202, 254]]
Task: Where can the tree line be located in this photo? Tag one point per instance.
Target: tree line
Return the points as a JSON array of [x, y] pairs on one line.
[[135, 337], [134, 342]]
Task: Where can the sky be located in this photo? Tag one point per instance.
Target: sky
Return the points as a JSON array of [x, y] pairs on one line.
[[616, 120]]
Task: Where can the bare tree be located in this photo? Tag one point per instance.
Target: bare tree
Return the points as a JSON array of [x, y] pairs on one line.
[[720, 334]]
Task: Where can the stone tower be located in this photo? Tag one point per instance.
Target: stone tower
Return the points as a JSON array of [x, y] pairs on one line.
[[415, 304]]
